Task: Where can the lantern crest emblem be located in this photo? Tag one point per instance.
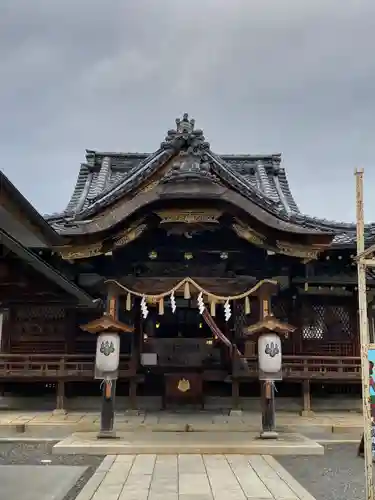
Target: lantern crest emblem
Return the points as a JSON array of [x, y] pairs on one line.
[[272, 350], [107, 347]]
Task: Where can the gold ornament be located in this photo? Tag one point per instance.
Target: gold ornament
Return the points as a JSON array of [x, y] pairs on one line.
[[183, 385]]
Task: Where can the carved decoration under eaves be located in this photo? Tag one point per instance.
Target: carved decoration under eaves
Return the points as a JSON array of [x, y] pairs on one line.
[[248, 234], [149, 187], [81, 252], [189, 216], [303, 252], [129, 235]]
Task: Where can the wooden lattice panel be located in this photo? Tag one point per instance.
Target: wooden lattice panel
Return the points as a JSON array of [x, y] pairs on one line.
[[327, 327], [38, 329], [49, 312], [281, 308]]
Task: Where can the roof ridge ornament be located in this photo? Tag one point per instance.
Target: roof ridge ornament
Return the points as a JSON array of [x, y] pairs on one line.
[[185, 125], [185, 134]]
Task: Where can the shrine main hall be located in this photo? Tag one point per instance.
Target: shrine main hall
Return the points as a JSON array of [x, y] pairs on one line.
[[144, 241]]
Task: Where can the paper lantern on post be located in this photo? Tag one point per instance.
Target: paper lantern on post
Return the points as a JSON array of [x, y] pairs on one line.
[[107, 352], [270, 357]]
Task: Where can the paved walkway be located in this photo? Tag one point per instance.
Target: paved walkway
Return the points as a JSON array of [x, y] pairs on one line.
[[195, 420], [192, 477]]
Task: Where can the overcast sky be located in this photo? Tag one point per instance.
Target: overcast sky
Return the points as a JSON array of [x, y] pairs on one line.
[[259, 76]]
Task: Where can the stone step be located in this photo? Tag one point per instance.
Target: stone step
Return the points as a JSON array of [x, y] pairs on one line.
[[166, 443]]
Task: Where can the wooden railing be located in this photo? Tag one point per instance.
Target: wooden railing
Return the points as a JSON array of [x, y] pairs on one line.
[[306, 368], [56, 367], [76, 367]]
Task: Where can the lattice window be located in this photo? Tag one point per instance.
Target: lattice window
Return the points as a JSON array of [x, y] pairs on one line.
[[313, 327], [281, 308], [331, 322], [338, 321], [240, 319]]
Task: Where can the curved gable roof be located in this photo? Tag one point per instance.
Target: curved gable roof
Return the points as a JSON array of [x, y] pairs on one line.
[[106, 176]]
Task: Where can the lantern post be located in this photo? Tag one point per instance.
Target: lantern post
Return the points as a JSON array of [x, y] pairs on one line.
[[269, 331], [107, 361]]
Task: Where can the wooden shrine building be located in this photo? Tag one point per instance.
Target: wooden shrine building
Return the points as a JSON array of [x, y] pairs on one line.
[[155, 230]]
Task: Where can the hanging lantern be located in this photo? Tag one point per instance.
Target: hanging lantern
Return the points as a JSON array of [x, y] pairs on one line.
[[107, 352], [269, 353]]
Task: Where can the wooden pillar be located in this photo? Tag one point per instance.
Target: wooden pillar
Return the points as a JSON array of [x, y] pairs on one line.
[[5, 330], [306, 411], [236, 409], [70, 331], [136, 346], [107, 415], [60, 390], [268, 410]]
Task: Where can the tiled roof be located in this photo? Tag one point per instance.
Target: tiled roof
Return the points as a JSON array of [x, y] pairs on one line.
[[105, 176]]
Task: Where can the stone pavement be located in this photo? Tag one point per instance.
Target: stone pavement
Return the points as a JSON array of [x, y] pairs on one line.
[[44, 423], [166, 443], [192, 477], [37, 482]]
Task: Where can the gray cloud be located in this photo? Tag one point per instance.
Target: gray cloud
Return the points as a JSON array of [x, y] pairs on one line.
[[292, 77]]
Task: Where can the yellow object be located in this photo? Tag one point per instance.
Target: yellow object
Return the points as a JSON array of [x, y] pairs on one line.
[[183, 385]]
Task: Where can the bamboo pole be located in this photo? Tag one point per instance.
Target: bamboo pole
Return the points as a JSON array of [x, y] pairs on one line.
[[364, 338]]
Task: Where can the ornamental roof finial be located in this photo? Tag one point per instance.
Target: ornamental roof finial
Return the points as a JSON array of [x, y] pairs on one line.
[[185, 125]]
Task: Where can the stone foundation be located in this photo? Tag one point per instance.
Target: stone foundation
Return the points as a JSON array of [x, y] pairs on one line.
[[154, 403]]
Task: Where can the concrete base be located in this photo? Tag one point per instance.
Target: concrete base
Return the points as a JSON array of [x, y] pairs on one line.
[[166, 443], [235, 413], [269, 435], [106, 435], [59, 412], [306, 413]]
